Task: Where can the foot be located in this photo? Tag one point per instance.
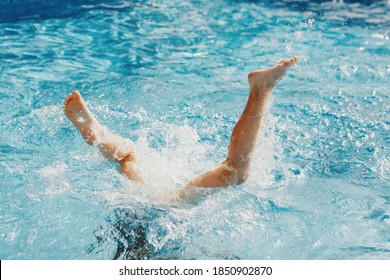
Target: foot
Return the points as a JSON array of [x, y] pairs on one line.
[[77, 112], [265, 80]]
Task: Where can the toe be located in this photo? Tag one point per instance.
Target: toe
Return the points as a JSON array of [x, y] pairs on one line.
[[68, 99], [76, 95]]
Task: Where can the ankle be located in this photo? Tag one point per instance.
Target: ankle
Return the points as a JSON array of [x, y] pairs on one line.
[[261, 92], [92, 136]]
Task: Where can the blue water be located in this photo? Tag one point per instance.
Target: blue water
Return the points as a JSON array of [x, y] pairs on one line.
[[171, 75]]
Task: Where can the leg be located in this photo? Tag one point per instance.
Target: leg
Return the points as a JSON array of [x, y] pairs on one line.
[[113, 147], [235, 169]]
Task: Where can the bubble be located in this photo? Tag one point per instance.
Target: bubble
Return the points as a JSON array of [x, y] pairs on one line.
[[288, 48]]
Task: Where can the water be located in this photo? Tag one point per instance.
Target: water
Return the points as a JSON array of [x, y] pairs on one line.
[[172, 77]]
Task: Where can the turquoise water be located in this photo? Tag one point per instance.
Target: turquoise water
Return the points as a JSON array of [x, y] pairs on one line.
[[171, 76]]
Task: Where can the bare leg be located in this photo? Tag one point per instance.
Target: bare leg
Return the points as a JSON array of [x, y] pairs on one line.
[[235, 168], [112, 146]]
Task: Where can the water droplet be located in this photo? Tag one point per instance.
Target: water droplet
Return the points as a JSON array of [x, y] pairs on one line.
[[81, 120]]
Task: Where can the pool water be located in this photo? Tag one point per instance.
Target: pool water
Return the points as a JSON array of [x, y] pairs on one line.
[[171, 75]]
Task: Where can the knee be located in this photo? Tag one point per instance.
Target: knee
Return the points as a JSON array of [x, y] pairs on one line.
[[242, 175], [127, 158], [238, 174], [130, 169]]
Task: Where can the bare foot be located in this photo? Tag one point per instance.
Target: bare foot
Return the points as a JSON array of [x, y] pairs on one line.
[[78, 113], [265, 80]]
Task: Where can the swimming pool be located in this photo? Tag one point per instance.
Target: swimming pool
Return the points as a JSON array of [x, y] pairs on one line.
[[171, 75]]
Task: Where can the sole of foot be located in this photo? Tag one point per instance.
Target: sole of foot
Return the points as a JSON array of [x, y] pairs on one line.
[[78, 113]]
